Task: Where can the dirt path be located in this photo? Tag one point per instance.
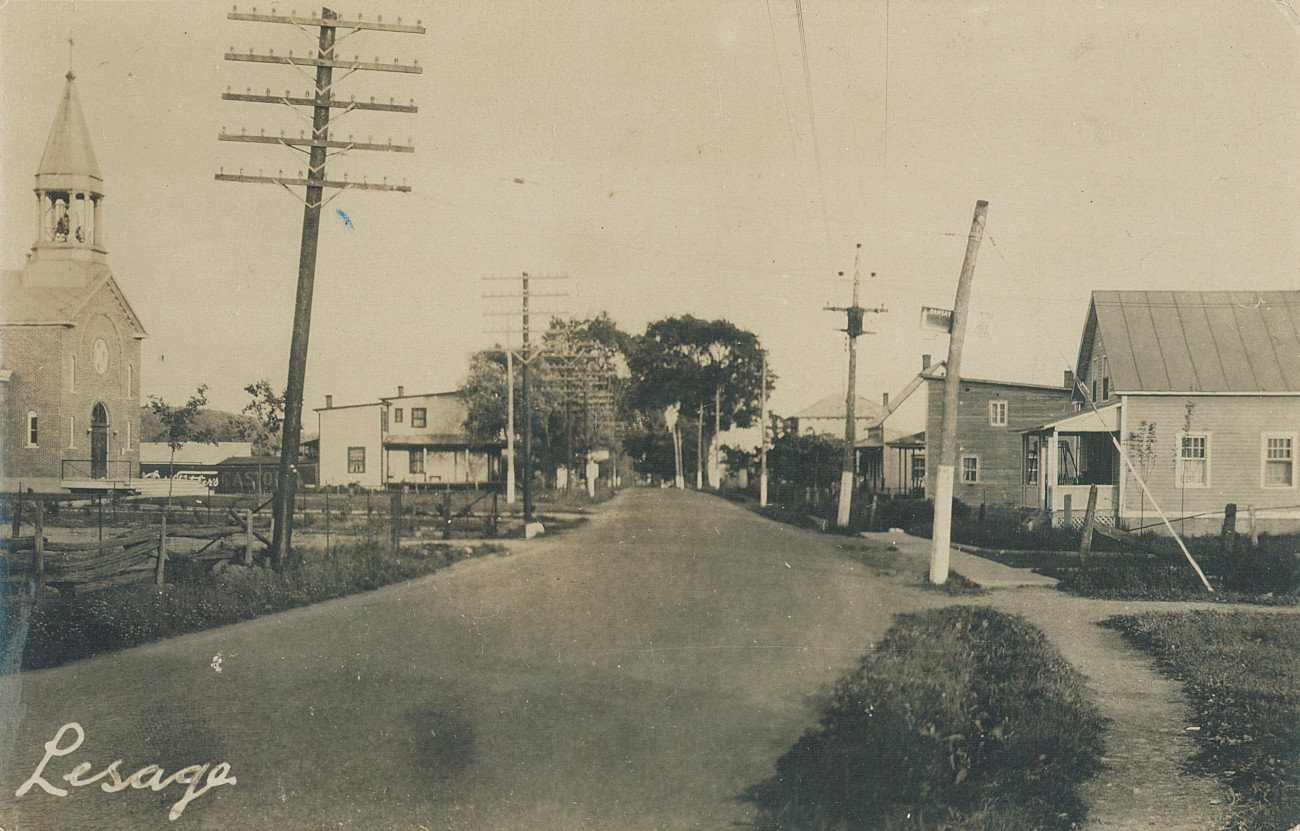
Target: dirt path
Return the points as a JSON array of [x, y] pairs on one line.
[[1143, 784]]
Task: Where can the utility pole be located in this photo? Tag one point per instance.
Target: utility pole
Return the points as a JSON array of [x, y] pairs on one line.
[[715, 448], [510, 425], [699, 449], [941, 538], [526, 357], [762, 442], [322, 101], [854, 329]]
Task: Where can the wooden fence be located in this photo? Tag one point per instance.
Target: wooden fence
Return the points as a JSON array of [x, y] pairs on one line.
[[137, 556]]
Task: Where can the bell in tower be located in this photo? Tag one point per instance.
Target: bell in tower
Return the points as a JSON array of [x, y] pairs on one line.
[[69, 191]]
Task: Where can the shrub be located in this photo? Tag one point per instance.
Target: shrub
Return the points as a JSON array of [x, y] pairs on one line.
[[963, 718]]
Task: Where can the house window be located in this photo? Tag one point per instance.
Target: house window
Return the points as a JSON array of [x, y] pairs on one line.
[[32, 434], [1105, 379], [997, 413], [356, 460], [918, 467], [970, 469], [1279, 461], [417, 461], [1193, 460], [72, 432], [72, 373], [397, 415], [418, 416]]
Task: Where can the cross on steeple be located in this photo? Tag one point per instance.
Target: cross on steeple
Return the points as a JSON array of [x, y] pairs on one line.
[[71, 74]]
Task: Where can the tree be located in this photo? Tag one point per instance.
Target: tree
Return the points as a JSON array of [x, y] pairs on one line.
[[707, 367], [265, 420], [180, 425]]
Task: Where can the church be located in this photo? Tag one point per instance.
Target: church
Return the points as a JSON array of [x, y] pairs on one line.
[[69, 339]]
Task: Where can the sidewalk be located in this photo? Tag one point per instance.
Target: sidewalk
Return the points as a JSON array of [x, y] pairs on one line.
[[986, 573]]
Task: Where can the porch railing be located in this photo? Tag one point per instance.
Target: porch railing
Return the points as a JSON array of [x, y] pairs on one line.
[[116, 469]]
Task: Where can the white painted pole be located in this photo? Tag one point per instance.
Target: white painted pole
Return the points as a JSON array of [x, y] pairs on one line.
[[941, 537], [762, 442], [510, 426]]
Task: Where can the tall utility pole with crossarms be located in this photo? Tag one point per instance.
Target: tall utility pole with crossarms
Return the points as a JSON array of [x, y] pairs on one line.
[[322, 101], [854, 330]]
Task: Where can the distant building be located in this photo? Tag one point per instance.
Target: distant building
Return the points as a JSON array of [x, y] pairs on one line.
[[990, 418], [196, 461], [411, 440], [69, 340], [1202, 389], [827, 416]]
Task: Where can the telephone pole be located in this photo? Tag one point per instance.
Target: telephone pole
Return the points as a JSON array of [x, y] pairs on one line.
[[526, 358], [762, 441], [854, 329], [322, 100], [945, 472]]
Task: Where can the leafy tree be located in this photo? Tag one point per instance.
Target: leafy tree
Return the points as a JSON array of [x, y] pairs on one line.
[[180, 424], [264, 417], [694, 363]]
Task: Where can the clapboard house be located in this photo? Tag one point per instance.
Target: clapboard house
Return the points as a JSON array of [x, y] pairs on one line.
[[69, 339], [1202, 392]]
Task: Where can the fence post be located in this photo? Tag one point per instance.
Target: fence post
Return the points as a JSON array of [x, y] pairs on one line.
[[1069, 512], [248, 536], [1089, 516], [327, 522], [18, 512], [38, 553], [446, 512], [1228, 534], [162, 549], [395, 519], [871, 517], [1254, 529]]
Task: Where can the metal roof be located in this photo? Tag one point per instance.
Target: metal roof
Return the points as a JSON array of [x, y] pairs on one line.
[[832, 406], [69, 155], [1187, 341]]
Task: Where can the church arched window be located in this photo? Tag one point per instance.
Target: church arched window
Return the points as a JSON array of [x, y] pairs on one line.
[[72, 373], [32, 434], [130, 379]]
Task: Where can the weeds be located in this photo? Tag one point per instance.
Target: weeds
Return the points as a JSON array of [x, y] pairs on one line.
[[64, 628], [1241, 671], [963, 718]]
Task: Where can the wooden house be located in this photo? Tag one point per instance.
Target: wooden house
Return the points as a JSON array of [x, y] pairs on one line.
[[1201, 390]]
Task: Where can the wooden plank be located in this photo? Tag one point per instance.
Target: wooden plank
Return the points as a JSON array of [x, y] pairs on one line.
[[95, 545], [18, 544]]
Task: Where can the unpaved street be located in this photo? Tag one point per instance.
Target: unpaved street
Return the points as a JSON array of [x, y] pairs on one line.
[[636, 673]]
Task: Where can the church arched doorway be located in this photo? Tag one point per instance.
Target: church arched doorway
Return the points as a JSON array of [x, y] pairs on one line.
[[99, 442]]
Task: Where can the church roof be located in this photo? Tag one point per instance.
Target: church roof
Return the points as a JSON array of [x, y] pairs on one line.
[[68, 151], [25, 305]]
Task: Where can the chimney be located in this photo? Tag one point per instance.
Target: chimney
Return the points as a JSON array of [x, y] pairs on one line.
[[884, 400], [329, 401], [925, 362], [401, 391], [1069, 379]]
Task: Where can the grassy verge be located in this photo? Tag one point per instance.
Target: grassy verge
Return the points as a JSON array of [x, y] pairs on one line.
[[892, 563], [1241, 671], [962, 718], [64, 628]]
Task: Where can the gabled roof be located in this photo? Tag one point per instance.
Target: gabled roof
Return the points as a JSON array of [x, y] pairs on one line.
[[939, 371], [832, 406], [68, 151], [25, 305], [1188, 341]]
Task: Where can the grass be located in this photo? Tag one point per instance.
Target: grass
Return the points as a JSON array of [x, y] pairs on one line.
[[62, 628], [963, 719], [1241, 671], [892, 563]]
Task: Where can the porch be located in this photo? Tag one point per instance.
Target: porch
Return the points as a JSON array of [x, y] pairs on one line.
[[1065, 459]]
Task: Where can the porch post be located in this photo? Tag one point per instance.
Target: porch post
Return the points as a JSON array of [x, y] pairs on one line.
[[1053, 471]]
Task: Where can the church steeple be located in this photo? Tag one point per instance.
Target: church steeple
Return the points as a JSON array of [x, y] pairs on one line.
[[69, 189]]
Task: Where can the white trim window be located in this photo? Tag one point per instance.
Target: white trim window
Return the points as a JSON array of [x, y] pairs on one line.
[[997, 414], [1193, 467], [1277, 462], [970, 470], [32, 429]]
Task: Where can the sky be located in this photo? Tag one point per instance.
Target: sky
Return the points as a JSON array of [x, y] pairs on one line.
[[674, 158]]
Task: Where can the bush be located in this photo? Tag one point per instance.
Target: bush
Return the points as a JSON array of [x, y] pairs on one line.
[[963, 718]]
